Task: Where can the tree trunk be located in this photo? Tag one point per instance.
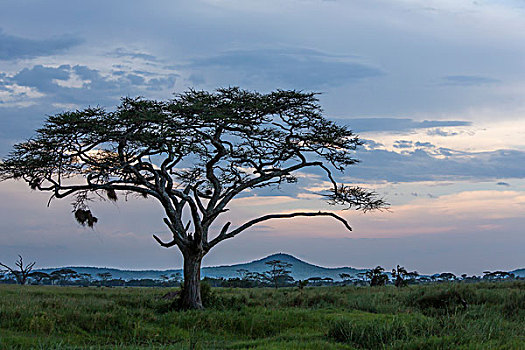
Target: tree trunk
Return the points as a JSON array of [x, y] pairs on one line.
[[191, 293]]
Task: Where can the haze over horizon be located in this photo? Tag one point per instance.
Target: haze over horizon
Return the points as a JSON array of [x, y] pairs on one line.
[[436, 90]]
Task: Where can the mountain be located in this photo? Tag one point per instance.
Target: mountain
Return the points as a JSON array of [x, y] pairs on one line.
[[518, 272], [300, 270]]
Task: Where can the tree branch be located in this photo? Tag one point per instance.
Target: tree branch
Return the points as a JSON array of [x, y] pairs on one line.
[[223, 235], [260, 179]]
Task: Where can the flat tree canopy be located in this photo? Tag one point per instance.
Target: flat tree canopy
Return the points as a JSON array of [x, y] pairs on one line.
[[193, 154]]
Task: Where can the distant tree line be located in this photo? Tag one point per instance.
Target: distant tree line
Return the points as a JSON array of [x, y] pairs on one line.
[[277, 274]]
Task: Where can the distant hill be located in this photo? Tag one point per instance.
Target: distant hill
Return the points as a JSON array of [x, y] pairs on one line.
[[518, 272], [300, 270]]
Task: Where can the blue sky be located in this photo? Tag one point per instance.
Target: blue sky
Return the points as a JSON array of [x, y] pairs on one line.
[[436, 88]]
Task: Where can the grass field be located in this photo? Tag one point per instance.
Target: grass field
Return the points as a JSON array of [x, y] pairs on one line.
[[416, 317]]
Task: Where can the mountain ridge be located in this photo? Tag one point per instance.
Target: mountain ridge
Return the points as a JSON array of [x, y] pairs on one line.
[[300, 269]]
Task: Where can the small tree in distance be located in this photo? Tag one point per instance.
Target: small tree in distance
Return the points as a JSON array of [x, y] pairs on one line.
[[104, 277], [21, 272], [376, 276], [278, 273], [39, 276], [193, 155], [345, 277]]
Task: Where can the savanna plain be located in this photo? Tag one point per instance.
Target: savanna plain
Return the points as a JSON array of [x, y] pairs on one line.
[[437, 316]]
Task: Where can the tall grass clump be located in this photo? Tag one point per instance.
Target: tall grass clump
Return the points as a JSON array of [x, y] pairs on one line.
[[380, 332]]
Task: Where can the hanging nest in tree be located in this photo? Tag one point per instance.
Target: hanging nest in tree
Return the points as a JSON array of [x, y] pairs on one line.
[[112, 195], [34, 183], [84, 217]]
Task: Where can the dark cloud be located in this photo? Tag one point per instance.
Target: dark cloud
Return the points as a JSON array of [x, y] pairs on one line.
[[87, 73], [42, 78], [300, 68], [403, 144], [96, 88], [423, 165], [371, 144], [468, 80], [13, 47], [157, 84], [441, 132], [121, 52], [395, 124], [501, 183], [197, 79], [135, 79], [424, 144]]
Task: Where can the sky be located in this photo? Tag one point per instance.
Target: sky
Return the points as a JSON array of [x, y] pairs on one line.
[[436, 89]]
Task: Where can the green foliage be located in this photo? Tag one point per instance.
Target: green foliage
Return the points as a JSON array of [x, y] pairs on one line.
[[51, 317], [378, 332], [439, 301], [376, 276], [278, 273]]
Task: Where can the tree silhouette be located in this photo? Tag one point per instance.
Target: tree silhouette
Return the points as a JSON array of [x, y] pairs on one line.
[[401, 276], [497, 275], [243, 273], [446, 276], [86, 278], [301, 284], [278, 273], [104, 277], [64, 275], [21, 272], [376, 276], [193, 155], [39, 276], [345, 277]]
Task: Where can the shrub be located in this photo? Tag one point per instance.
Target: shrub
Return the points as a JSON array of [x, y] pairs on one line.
[[378, 333], [438, 302], [514, 305]]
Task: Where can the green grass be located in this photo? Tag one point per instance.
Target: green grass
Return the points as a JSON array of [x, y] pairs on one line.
[[416, 317]]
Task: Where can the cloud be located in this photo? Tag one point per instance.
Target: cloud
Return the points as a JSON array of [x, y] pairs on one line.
[[468, 80], [27, 96], [42, 78], [428, 164], [424, 144], [501, 183], [371, 144], [299, 68], [83, 85], [403, 144], [196, 79], [441, 132], [395, 124], [122, 52], [14, 47]]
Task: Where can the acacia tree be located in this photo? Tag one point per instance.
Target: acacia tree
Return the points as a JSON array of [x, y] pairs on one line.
[[278, 273], [39, 276], [193, 154]]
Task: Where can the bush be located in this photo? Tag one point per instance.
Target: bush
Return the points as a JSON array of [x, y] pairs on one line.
[[514, 305], [438, 302], [378, 333]]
